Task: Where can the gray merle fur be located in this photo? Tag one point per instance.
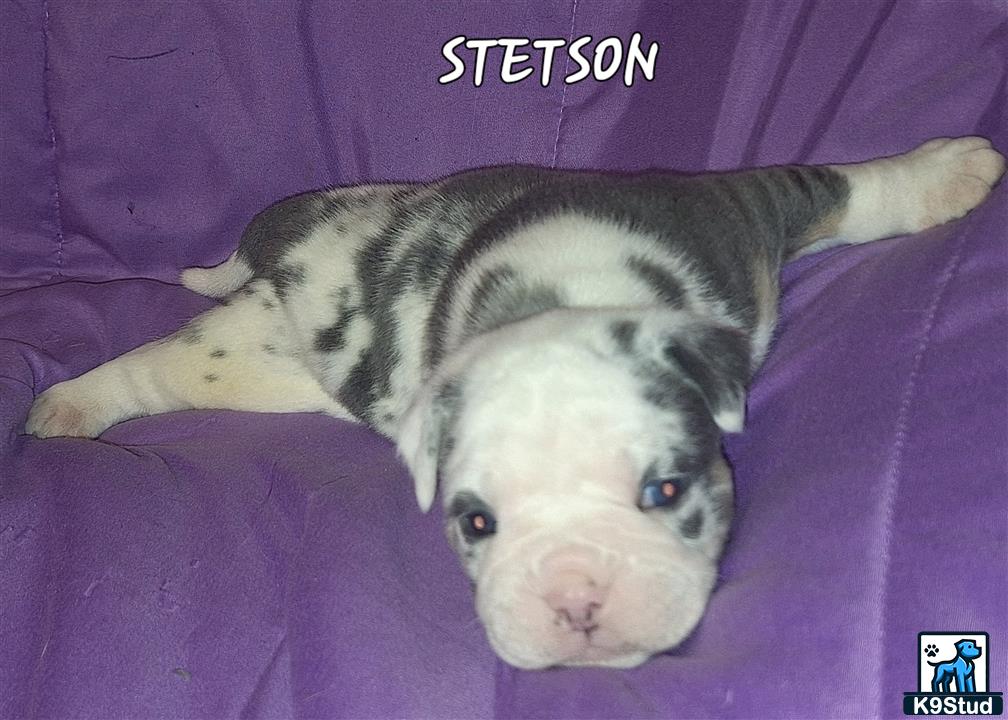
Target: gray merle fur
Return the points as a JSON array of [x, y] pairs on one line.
[[692, 525], [665, 285], [271, 233], [717, 360], [723, 223], [286, 276], [727, 225], [501, 297], [333, 338]]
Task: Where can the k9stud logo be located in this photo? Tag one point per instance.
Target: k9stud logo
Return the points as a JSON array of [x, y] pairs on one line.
[[952, 676]]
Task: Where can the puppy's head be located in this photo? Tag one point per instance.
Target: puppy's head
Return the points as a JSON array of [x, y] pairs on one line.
[[584, 487]]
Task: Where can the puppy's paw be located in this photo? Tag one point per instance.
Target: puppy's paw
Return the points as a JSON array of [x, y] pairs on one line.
[[948, 177], [63, 411]]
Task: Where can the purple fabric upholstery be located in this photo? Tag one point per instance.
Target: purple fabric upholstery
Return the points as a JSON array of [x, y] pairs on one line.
[[220, 564]]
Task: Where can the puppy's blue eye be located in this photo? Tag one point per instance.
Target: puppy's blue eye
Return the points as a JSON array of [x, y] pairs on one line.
[[661, 493], [478, 524]]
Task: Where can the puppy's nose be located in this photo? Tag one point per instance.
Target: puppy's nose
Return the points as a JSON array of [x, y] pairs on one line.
[[576, 598]]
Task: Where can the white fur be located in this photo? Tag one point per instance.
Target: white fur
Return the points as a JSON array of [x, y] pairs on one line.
[[565, 483], [217, 281], [939, 181], [552, 433], [170, 374], [568, 251]]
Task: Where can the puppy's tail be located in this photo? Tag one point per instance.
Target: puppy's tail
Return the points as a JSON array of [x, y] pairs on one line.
[[220, 280]]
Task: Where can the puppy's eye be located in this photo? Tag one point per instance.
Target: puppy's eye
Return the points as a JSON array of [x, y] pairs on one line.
[[662, 493], [478, 524]]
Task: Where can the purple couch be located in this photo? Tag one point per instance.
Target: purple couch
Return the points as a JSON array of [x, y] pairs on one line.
[[222, 564]]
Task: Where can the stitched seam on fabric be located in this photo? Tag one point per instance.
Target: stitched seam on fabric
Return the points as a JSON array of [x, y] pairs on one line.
[[766, 109], [316, 99], [563, 95], [248, 709], [52, 140], [729, 101], [892, 476], [46, 625], [823, 121]]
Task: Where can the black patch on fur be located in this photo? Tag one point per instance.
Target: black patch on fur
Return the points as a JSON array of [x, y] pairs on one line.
[[490, 284], [624, 332], [269, 348], [267, 240], [669, 391], [268, 304], [286, 277], [664, 284], [369, 379], [211, 377], [731, 227], [461, 537], [692, 525], [727, 225], [333, 338], [500, 297], [218, 353], [383, 278], [715, 359], [483, 198], [447, 406], [271, 233], [248, 290], [427, 258], [465, 502], [414, 252]]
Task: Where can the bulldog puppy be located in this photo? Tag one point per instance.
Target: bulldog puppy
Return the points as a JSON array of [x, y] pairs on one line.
[[562, 350]]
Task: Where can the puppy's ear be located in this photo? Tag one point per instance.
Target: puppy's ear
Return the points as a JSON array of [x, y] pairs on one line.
[[714, 359], [424, 435], [680, 347]]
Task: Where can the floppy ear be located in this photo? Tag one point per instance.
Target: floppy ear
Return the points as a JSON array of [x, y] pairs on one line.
[[712, 359], [422, 434], [716, 360]]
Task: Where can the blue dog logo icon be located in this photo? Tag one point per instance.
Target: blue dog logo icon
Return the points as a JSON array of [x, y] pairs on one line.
[[953, 675], [960, 669]]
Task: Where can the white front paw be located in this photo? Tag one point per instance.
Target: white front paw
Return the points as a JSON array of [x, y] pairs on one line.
[[65, 411], [950, 177]]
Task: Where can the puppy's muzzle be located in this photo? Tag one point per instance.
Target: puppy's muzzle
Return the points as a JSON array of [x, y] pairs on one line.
[[575, 585]]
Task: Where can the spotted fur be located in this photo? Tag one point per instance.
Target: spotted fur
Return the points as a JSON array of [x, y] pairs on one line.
[[548, 345]]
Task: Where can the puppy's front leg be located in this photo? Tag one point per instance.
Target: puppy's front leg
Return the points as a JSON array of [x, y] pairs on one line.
[[237, 356]]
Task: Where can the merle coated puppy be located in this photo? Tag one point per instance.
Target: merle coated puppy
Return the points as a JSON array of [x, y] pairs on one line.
[[562, 350]]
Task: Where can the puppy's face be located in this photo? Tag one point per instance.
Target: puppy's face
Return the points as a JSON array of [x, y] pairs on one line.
[[583, 483]]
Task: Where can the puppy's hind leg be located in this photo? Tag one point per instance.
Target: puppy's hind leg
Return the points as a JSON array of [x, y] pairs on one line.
[[236, 356], [937, 182]]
